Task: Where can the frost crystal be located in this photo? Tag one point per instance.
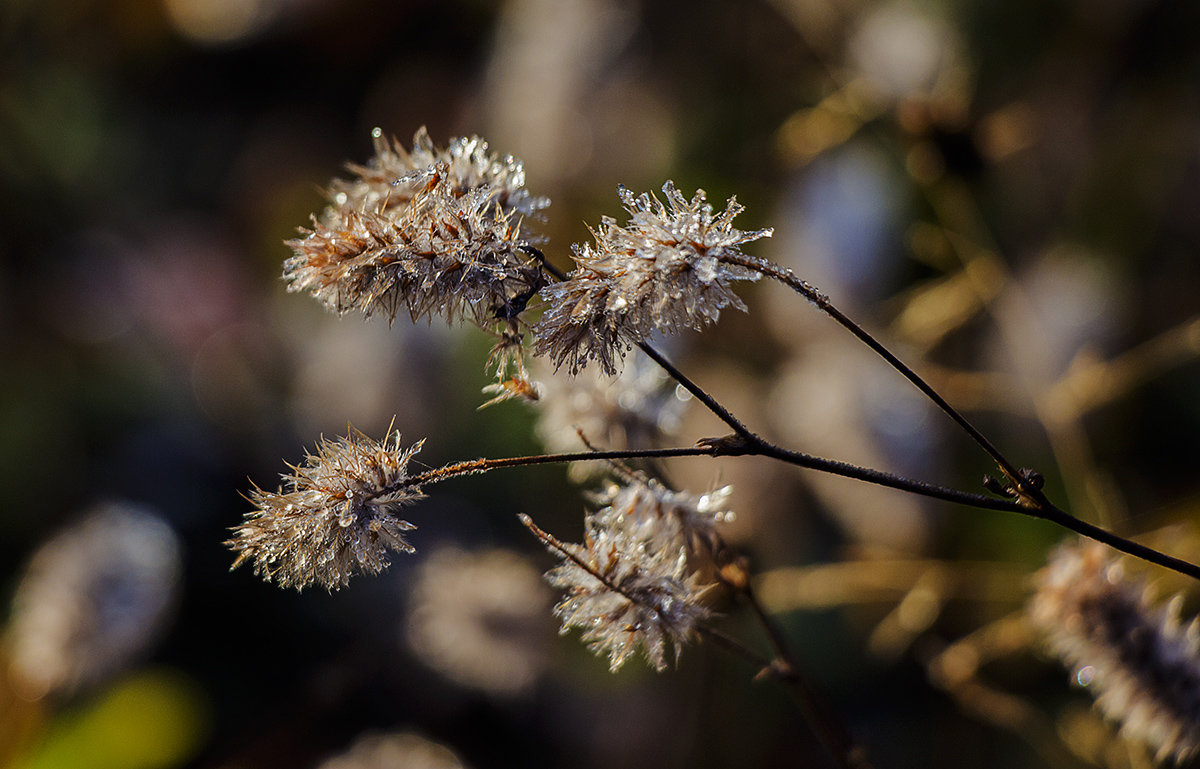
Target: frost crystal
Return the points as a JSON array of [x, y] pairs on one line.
[[394, 175], [665, 271], [1140, 665], [333, 516]]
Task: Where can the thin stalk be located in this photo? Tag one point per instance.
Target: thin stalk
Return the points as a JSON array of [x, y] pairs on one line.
[[821, 301], [483, 465], [755, 446], [834, 736], [699, 393], [1029, 500]]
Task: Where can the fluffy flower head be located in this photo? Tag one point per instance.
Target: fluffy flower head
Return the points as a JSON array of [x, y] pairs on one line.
[[475, 618], [624, 595], [91, 599], [433, 232], [664, 519], [1140, 665], [333, 516], [666, 270]]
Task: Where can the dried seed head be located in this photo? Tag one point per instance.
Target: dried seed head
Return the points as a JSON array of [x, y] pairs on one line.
[[92, 598], [1139, 664], [636, 410], [387, 751], [395, 175], [433, 232], [476, 617], [663, 519], [664, 271], [333, 516], [624, 595]]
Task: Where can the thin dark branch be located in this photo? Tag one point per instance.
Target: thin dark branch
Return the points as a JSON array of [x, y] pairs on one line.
[[698, 392], [754, 446], [821, 301]]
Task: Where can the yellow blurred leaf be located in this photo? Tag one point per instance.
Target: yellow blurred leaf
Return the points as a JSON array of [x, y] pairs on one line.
[[150, 720]]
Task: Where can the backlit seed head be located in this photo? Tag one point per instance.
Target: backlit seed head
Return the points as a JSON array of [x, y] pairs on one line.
[[668, 269], [1137, 660], [429, 232], [335, 515]]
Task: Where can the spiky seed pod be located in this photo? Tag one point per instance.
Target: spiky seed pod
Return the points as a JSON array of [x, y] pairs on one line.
[[433, 232], [664, 271], [1139, 664], [624, 595], [333, 516]]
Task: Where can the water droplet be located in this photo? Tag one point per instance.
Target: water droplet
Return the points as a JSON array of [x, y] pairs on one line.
[[1085, 675]]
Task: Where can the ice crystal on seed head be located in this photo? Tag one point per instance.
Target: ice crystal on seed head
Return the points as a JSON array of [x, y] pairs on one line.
[[1144, 668], [395, 175], [667, 270], [625, 596], [333, 516], [432, 232]]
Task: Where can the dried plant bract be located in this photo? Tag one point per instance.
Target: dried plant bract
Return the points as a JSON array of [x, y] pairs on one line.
[[431, 232]]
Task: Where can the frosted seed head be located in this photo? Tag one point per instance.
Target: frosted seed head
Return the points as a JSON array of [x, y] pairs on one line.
[[332, 517], [664, 271]]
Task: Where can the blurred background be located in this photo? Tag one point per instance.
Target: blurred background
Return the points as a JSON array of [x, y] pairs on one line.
[[1006, 193]]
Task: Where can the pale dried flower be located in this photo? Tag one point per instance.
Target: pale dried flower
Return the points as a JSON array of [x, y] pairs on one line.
[[476, 618], [434, 232], [1142, 667], [393, 751], [333, 516], [663, 519], [667, 270], [91, 599], [636, 410], [624, 595]]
